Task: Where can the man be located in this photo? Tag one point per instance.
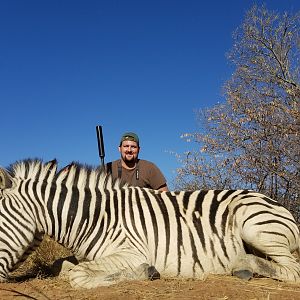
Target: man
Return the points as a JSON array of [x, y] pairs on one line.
[[134, 171]]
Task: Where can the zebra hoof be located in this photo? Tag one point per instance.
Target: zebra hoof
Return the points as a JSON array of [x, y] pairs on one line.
[[243, 274], [63, 265], [153, 274]]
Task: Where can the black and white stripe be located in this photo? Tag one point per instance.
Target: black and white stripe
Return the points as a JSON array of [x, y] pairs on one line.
[[123, 232]]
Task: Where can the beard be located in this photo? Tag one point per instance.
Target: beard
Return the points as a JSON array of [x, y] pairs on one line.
[[128, 157]]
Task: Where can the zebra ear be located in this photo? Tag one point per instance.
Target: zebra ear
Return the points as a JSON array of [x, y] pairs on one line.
[[5, 179]]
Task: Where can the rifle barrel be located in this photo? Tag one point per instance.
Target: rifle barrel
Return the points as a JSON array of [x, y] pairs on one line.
[[100, 143]]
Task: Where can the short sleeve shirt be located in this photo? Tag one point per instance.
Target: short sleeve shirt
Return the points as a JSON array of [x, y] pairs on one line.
[[145, 174]]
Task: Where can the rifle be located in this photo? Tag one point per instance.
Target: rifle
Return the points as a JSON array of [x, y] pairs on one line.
[[100, 144]]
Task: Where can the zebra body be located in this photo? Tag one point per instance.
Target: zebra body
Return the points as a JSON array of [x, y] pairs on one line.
[[122, 232]]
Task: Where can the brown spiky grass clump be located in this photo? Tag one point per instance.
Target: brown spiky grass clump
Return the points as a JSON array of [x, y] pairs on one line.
[[38, 263]]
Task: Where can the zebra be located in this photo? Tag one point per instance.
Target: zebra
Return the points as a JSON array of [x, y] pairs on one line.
[[124, 232]]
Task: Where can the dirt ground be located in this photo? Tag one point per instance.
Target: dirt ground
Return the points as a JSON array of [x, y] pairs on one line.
[[213, 287]]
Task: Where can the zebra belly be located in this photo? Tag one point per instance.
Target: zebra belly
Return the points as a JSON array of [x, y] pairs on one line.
[[213, 260]]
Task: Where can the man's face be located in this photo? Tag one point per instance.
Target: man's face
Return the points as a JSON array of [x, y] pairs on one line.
[[129, 151]]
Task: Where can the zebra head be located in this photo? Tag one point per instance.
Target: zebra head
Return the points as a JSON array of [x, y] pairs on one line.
[[19, 232], [6, 228], [5, 179]]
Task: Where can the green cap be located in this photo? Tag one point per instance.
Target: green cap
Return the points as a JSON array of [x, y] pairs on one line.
[[129, 136]]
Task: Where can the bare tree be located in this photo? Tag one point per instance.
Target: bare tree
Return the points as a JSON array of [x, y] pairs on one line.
[[252, 139]]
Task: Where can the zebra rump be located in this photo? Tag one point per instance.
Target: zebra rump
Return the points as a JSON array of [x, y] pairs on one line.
[[122, 232]]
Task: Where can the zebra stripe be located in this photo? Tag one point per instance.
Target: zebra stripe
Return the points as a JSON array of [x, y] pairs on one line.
[[127, 232]]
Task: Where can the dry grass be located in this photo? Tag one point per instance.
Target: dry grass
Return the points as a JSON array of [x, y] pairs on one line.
[[39, 263]]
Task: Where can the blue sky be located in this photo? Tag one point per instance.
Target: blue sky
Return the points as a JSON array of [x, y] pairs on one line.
[[142, 66]]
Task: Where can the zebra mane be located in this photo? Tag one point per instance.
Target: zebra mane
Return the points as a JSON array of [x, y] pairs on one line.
[[29, 168], [36, 169]]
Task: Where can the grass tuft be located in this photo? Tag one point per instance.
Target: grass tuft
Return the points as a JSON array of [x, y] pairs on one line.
[[38, 264]]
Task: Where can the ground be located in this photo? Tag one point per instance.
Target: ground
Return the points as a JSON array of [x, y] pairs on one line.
[[213, 287]]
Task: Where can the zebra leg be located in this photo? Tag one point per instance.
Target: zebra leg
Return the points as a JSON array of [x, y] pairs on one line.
[[245, 266], [109, 270], [98, 273], [275, 248], [249, 264]]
